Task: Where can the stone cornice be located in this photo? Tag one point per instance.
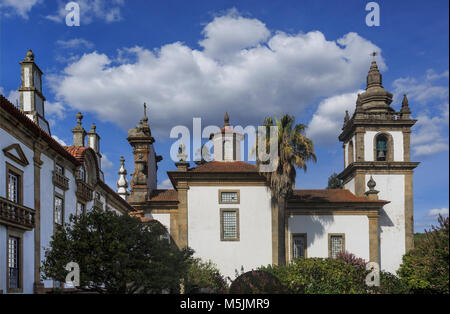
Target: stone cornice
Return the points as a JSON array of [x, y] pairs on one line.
[[352, 124], [379, 166], [216, 178]]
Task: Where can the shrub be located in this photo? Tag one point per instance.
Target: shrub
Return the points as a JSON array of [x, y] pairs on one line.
[[351, 259], [391, 284], [256, 282], [204, 276], [426, 268], [320, 276]]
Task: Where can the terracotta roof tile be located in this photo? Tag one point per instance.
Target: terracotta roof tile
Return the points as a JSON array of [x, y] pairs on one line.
[[164, 195], [328, 196], [77, 151], [224, 166]]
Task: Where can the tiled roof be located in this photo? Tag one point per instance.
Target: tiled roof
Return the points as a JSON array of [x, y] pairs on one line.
[[77, 151], [328, 196], [34, 128], [164, 195], [224, 166]]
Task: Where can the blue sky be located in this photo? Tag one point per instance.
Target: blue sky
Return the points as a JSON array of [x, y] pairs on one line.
[[251, 58]]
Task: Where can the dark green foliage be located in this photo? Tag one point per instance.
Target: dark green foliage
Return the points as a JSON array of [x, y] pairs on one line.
[[256, 282], [203, 276], [418, 237], [391, 284], [116, 254], [426, 268], [334, 182], [320, 276]]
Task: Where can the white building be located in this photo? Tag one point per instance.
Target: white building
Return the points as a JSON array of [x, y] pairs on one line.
[[224, 209], [42, 183]]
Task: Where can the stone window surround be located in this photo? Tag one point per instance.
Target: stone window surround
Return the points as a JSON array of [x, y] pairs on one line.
[[12, 232], [19, 173], [237, 224], [389, 146], [235, 191], [329, 241], [292, 235]]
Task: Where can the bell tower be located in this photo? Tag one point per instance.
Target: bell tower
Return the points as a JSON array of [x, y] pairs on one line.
[[376, 143]]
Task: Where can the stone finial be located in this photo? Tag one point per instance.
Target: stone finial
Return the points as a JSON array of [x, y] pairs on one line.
[[93, 128], [79, 117], [78, 132], [182, 165], [145, 119], [372, 194], [347, 117], [182, 156], [29, 56], [226, 119], [374, 77], [405, 105], [122, 183]]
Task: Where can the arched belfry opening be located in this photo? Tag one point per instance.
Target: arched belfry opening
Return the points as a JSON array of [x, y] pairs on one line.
[[382, 147]]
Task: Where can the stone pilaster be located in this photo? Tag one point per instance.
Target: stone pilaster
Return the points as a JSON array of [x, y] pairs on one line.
[[38, 285], [409, 210], [374, 240]]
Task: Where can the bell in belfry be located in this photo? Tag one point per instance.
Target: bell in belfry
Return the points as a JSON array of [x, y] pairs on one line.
[[381, 154]]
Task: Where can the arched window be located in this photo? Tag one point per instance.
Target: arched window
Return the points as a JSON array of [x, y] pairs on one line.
[[350, 153], [382, 147], [81, 175]]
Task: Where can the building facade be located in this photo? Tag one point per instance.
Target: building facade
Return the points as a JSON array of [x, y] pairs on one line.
[[225, 211], [42, 183]]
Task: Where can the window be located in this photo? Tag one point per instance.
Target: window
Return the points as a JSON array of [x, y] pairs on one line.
[[80, 209], [81, 174], [13, 187], [229, 197], [13, 263], [229, 222], [336, 244], [299, 245], [381, 147], [14, 184], [59, 210], [59, 169], [351, 155]]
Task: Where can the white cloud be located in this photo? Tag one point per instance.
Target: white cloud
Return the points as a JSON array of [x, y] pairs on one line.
[[429, 96], [75, 43], [430, 135], [260, 76], [166, 184], [108, 11], [438, 211], [106, 163], [17, 7], [422, 91], [12, 95], [327, 121], [60, 141]]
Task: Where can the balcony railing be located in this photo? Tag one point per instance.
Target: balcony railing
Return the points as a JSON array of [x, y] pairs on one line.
[[15, 215], [84, 191], [60, 181]]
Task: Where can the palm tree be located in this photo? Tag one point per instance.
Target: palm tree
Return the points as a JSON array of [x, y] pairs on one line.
[[294, 151]]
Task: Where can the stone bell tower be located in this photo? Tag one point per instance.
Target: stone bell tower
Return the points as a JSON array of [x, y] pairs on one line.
[[31, 97], [376, 142], [144, 179]]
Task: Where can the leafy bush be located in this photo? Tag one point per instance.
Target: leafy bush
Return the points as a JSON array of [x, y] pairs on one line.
[[116, 254], [256, 282], [351, 259], [426, 268], [320, 276], [391, 284], [204, 276]]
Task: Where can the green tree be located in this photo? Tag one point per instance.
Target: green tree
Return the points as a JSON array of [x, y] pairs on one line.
[[294, 151], [426, 268], [334, 182], [116, 254]]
